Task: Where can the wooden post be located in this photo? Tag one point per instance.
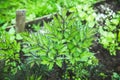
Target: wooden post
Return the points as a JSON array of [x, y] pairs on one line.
[[20, 20]]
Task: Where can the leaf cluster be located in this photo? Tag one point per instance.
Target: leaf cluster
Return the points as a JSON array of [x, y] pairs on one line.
[[9, 51], [110, 35], [65, 44]]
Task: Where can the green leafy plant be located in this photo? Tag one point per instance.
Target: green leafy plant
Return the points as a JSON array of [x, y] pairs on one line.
[[35, 8], [9, 52], [115, 76], [33, 78], [110, 35], [103, 75], [65, 45]]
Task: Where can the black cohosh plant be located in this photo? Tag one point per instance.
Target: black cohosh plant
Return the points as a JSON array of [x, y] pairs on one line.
[[65, 45]]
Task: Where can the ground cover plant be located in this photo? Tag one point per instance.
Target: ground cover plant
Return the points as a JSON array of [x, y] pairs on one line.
[[110, 33]]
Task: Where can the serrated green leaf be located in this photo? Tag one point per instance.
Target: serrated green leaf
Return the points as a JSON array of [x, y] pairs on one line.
[[19, 37], [51, 65], [12, 31], [34, 49], [59, 63], [32, 64], [64, 49], [115, 21]]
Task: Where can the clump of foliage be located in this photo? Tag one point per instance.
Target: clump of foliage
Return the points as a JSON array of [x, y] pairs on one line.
[[9, 53], [110, 35], [35, 8], [65, 45], [115, 76]]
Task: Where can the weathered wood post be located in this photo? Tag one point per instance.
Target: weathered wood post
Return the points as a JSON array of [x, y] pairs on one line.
[[20, 20]]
